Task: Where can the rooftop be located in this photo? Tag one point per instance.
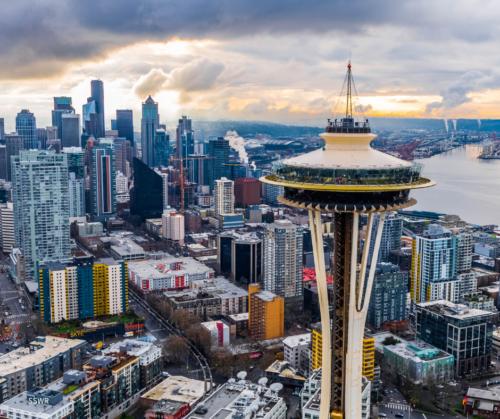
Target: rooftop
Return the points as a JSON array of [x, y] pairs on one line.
[[456, 311], [293, 341], [237, 399], [40, 350], [177, 388], [168, 265]]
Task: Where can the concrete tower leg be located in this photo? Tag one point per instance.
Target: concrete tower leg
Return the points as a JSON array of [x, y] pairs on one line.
[[342, 367]]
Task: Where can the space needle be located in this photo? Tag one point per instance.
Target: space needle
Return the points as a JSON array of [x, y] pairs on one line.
[[348, 179]]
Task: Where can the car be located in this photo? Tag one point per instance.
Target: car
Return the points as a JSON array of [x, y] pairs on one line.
[[382, 415], [399, 415]]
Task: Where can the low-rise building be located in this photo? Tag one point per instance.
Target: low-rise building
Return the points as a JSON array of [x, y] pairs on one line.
[[297, 351], [311, 393], [210, 297], [176, 389], [43, 361], [242, 399], [484, 403], [167, 273], [419, 362], [149, 354], [122, 247], [219, 333]]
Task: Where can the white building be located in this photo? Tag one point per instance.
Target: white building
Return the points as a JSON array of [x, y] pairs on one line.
[[219, 333], [121, 183], [283, 267], [224, 196], [297, 351], [7, 224], [241, 399], [173, 226], [147, 352], [311, 392], [167, 273]]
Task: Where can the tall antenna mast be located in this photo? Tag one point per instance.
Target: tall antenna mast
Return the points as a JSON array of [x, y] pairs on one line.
[[348, 108]]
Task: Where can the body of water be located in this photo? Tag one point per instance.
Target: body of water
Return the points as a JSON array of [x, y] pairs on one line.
[[466, 186]]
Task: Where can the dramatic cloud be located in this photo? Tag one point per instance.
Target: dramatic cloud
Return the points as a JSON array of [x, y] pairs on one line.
[[197, 75], [459, 91]]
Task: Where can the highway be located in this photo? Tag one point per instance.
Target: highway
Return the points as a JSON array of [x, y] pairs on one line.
[[136, 298]]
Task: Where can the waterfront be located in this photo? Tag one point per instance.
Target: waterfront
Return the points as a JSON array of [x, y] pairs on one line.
[[466, 186]]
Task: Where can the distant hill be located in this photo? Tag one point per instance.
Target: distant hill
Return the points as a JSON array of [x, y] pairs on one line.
[[253, 128]]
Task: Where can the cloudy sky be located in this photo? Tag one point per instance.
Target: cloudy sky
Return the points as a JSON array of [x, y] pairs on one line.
[[274, 60]]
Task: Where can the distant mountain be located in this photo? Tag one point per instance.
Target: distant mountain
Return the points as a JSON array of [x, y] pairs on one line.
[[253, 128]]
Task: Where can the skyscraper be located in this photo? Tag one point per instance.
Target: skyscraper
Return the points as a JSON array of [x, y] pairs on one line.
[[149, 124], [90, 118], [123, 155], [184, 139], [14, 143], [62, 106], [161, 148], [2, 129], [149, 196], [103, 181], [283, 267], [76, 161], [434, 266], [217, 155], [224, 196], [70, 130], [26, 128], [125, 124], [97, 95], [41, 209]]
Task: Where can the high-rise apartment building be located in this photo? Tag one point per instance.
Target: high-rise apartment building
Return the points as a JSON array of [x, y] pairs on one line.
[[388, 299], [41, 207], [62, 106], [76, 161], [266, 314], [434, 266], [391, 236], [70, 130], [463, 332], [7, 226], [173, 226], [26, 128], [97, 95], [224, 196], [464, 252], [283, 265], [2, 129], [125, 124], [149, 124], [82, 290], [76, 195], [103, 180]]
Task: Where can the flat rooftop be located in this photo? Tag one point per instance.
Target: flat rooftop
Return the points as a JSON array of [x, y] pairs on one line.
[[177, 388], [48, 348], [297, 340], [133, 347], [160, 268], [456, 311]]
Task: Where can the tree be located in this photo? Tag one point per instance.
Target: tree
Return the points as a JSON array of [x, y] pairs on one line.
[[200, 336], [176, 349]]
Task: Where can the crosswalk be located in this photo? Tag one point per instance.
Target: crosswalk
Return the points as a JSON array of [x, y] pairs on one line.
[[397, 406]]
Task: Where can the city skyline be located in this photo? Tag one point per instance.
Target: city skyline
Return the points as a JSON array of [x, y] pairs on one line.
[[274, 63]]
